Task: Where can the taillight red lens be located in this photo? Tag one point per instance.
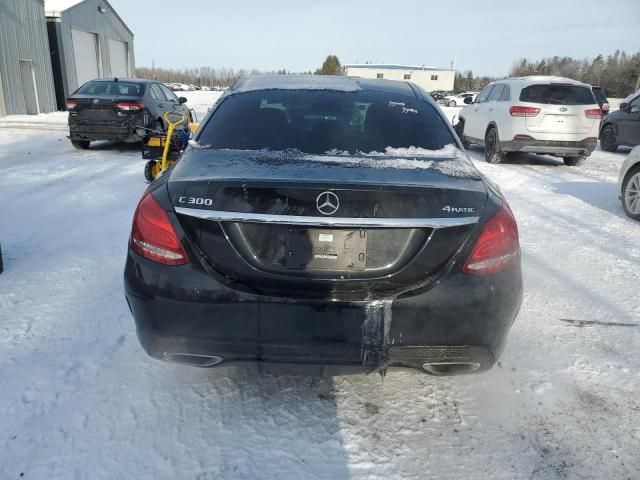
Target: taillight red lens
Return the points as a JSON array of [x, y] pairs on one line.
[[153, 236], [497, 247], [71, 104], [594, 113], [130, 106], [517, 111]]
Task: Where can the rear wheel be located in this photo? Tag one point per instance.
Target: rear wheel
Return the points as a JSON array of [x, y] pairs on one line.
[[459, 128], [151, 170], [452, 103], [608, 138], [631, 194], [492, 152], [81, 144], [573, 161]]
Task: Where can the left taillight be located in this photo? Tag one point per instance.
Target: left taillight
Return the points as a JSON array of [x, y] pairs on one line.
[[130, 106], [153, 235], [71, 104], [497, 246]]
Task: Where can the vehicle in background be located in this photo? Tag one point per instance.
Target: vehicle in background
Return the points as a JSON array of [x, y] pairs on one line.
[[629, 184], [262, 244], [439, 94], [537, 114], [120, 110], [458, 99], [622, 127], [601, 98]]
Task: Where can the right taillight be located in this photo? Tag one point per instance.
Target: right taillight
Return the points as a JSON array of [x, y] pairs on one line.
[[153, 235], [594, 113], [497, 247], [518, 111]]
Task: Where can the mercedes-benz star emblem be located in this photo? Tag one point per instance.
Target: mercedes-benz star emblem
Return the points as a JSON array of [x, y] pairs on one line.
[[328, 203]]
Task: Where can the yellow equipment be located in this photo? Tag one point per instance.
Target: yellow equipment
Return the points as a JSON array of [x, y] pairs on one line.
[[164, 149]]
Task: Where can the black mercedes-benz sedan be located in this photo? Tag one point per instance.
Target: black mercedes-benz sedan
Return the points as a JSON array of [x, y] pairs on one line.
[[120, 110], [329, 221]]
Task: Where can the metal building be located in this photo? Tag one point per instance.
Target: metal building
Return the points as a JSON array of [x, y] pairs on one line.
[[429, 78], [26, 81], [88, 40]]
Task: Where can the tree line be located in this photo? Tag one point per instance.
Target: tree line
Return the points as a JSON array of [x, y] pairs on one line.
[[618, 73]]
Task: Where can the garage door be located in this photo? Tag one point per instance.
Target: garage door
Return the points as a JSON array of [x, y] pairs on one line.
[[118, 56], [86, 55]]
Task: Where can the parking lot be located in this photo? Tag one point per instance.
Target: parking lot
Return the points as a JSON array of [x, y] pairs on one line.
[[562, 403]]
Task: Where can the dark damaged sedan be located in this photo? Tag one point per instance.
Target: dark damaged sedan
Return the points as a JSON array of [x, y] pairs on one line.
[[328, 221]]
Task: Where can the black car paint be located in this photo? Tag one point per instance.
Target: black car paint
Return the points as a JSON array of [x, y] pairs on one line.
[[97, 118], [626, 123], [241, 310]]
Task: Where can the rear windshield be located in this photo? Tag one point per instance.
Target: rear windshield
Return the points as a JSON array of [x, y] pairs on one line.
[[125, 89], [324, 121], [558, 95]]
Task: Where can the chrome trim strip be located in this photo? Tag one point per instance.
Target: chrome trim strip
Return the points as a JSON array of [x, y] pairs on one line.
[[242, 217]]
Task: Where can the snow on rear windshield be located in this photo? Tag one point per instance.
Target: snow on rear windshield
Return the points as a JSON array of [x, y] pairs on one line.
[[321, 121]]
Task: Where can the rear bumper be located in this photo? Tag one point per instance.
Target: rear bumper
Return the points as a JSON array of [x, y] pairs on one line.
[[115, 129], [552, 147], [184, 310]]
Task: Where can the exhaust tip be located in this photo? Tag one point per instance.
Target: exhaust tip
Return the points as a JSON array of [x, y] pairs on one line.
[[450, 368], [192, 359]]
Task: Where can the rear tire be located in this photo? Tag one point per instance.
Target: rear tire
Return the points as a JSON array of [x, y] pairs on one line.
[[630, 194], [492, 152], [81, 144], [573, 161], [452, 103], [151, 170], [608, 138], [459, 128]]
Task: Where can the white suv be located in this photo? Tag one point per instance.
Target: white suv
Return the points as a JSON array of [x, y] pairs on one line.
[[538, 114]]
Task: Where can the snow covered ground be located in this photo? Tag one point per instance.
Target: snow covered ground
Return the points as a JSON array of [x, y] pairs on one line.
[[79, 399]]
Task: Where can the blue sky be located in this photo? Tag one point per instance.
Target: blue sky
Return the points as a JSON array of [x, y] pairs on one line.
[[298, 35]]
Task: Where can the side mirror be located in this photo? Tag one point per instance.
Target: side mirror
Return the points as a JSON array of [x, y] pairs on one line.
[[624, 106], [182, 100], [634, 109], [468, 100]]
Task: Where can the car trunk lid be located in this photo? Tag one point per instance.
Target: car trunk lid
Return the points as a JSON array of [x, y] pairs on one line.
[[313, 225]]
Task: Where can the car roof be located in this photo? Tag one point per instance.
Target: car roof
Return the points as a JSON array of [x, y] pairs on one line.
[[533, 79], [130, 80], [339, 83]]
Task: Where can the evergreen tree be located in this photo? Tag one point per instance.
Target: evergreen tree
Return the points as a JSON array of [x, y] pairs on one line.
[[331, 66]]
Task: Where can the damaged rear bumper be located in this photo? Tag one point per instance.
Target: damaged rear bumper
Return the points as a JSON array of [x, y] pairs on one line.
[[183, 315], [118, 128]]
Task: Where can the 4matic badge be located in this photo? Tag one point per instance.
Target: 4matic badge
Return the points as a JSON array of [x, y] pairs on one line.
[[450, 209]]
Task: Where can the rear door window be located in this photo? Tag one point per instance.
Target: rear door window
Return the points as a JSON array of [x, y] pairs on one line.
[[600, 96], [496, 93], [156, 93], [555, 94]]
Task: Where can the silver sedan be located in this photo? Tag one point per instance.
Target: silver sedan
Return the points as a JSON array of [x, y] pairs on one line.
[[629, 184]]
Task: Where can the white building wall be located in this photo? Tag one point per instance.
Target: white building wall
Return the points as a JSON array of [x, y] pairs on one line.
[[428, 79]]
